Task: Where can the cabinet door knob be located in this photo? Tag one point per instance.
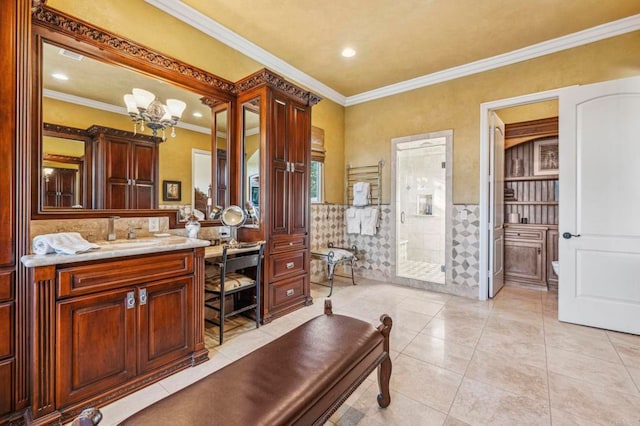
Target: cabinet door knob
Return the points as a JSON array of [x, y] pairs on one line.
[[290, 265], [131, 300], [290, 292], [143, 296]]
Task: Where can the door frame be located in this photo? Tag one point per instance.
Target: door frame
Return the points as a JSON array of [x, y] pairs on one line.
[[486, 269], [448, 135]]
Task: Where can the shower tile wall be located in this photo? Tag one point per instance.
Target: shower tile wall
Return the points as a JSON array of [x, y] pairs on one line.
[[466, 246], [327, 226], [376, 252]]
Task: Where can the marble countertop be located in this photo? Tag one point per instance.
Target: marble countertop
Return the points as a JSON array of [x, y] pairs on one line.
[[118, 248]]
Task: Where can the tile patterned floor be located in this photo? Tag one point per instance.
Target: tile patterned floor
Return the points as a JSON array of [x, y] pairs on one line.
[[458, 361], [419, 270]]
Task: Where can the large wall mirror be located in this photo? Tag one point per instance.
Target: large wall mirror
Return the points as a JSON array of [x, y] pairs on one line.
[[91, 158], [251, 160]]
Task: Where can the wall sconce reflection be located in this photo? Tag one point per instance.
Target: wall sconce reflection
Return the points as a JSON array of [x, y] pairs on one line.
[[47, 171]]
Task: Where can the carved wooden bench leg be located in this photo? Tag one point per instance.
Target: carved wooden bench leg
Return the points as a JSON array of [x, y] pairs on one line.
[[384, 369]]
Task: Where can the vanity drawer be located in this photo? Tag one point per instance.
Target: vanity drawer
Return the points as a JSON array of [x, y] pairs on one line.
[[524, 234], [287, 264], [122, 272], [6, 285], [288, 291], [294, 242]]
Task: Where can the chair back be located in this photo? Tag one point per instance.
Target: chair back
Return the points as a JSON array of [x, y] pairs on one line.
[[240, 261]]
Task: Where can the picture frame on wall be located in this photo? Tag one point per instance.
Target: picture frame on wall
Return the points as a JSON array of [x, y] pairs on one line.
[[545, 157], [171, 190]]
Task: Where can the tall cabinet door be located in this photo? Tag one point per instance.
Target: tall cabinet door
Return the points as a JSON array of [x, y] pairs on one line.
[[95, 344], [118, 174], [143, 174], [299, 152], [279, 168]]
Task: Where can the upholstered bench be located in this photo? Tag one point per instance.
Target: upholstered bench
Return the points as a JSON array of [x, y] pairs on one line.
[[300, 378]]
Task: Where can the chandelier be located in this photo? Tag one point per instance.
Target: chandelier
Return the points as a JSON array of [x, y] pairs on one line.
[[144, 108]]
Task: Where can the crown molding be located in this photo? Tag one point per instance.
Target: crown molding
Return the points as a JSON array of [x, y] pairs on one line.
[[590, 35], [203, 23], [103, 106], [190, 16]]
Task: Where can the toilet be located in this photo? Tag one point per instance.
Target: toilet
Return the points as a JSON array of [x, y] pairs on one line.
[[556, 267]]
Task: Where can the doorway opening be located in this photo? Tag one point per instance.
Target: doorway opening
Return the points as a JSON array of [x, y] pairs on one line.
[[489, 178], [421, 196]]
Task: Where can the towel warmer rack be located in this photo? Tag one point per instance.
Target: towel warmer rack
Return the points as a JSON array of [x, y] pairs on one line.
[[369, 174]]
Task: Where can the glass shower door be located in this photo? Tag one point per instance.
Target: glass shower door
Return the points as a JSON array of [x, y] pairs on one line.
[[420, 208]]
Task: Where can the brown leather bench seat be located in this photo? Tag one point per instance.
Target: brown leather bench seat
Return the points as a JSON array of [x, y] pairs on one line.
[[300, 378]]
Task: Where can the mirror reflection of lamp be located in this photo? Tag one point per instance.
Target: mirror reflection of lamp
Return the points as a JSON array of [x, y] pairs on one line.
[[47, 172], [143, 107]]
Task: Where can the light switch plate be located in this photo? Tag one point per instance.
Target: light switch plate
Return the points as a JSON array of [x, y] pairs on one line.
[[463, 214], [154, 224]]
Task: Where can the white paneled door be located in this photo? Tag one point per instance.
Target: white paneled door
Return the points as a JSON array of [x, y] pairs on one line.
[[496, 202], [599, 281]]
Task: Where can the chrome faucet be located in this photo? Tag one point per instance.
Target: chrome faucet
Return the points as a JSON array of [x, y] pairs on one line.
[[111, 231]]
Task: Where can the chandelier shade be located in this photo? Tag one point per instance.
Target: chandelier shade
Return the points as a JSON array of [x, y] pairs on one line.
[[144, 108]]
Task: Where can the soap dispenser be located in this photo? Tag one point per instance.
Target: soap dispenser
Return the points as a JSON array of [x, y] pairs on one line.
[[192, 226]]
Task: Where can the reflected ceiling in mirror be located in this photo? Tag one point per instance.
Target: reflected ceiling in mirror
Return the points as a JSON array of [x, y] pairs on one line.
[[81, 92]]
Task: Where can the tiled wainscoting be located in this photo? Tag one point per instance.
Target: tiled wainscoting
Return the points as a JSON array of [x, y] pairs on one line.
[[376, 257]]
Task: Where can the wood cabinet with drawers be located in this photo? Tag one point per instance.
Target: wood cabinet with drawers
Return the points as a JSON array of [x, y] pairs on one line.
[[285, 148], [105, 328]]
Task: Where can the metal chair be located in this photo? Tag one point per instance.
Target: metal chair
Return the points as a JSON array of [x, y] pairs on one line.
[[238, 272], [334, 256]]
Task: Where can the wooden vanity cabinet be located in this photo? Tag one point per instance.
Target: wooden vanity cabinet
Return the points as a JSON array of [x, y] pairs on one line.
[[525, 248], [118, 325]]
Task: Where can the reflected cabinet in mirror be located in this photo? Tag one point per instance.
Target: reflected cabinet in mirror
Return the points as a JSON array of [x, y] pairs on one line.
[[116, 122], [251, 160]]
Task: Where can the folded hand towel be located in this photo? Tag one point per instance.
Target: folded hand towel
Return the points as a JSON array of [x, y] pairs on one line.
[[369, 221], [62, 242], [353, 220], [361, 194]]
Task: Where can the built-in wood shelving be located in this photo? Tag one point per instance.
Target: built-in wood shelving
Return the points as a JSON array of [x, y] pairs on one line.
[[528, 178], [533, 203]]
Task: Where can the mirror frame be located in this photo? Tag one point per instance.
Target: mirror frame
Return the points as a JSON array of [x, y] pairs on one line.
[[59, 29]]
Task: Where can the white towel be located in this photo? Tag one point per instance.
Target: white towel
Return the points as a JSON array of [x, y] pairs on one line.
[[62, 242], [353, 220], [369, 221], [361, 194]]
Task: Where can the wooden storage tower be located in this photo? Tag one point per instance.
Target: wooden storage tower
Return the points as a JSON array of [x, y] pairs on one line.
[[285, 158]]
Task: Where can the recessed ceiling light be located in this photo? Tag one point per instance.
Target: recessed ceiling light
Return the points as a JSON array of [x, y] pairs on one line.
[[59, 76], [197, 114], [348, 52]]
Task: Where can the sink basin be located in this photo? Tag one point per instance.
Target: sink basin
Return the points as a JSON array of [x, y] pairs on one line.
[[127, 244]]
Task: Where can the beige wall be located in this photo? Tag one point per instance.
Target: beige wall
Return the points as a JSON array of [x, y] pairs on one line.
[[329, 116], [529, 112], [456, 105]]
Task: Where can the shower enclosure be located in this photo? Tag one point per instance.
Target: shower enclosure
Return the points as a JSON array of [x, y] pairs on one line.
[[420, 207]]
